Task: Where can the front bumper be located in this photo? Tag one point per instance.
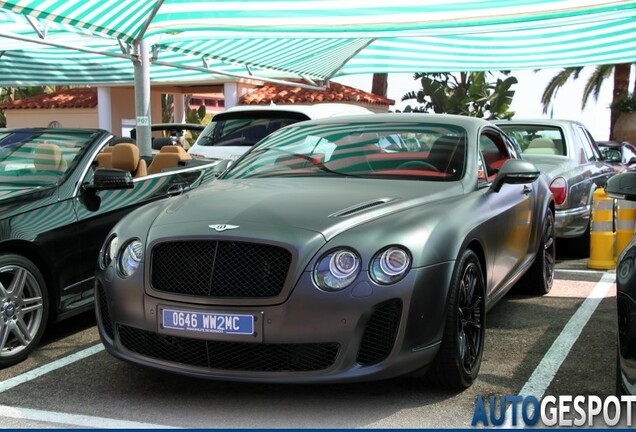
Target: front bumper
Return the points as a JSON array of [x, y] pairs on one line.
[[365, 332]]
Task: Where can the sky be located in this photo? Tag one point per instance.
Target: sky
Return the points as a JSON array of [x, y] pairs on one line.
[[527, 100]]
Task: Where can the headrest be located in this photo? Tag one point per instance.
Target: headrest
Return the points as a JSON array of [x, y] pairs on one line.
[[183, 155], [159, 142], [48, 157], [542, 143], [126, 157], [118, 140]]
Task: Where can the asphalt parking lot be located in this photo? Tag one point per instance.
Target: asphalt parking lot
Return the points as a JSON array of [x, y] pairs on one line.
[[560, 344]]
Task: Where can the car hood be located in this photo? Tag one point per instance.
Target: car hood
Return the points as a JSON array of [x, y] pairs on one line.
[[552, 166], [322, 205]]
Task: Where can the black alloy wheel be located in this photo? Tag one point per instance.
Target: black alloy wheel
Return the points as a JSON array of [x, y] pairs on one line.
[[540, 276], [470, 317], [459, 357]]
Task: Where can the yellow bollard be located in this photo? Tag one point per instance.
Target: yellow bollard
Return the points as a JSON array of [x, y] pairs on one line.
[[625, 224], [602, 232]]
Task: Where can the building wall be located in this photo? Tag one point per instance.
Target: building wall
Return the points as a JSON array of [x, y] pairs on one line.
[[122, 101], [75, 117]]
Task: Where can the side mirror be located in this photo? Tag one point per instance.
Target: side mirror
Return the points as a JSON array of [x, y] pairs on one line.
[[515, 171], [110, 178], [622, 186]]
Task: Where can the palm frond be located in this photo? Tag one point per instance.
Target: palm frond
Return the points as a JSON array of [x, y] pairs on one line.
[[555, 84]]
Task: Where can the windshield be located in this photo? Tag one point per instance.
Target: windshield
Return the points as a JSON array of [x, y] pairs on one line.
[[371, 150], [244, 129], [546, 140], [29, 158]]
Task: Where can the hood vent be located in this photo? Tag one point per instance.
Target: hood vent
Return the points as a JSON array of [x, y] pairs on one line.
[[360, 207]]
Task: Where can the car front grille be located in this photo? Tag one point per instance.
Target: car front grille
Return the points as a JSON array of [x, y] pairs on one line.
[[209, 268], [379, 336], [237, 356]]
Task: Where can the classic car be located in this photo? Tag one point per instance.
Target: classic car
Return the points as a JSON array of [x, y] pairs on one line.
[[331, 259], [567, 153], [53, 221], [232, 132], [623, 187]]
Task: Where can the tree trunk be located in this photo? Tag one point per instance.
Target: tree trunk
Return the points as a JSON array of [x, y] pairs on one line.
[[621, 88], [380, 85]]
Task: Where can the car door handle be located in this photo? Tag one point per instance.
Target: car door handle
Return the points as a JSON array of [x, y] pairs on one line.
[[527, 190], [176, 189]]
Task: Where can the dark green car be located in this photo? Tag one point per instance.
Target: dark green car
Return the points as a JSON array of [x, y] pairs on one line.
[[53, 221]]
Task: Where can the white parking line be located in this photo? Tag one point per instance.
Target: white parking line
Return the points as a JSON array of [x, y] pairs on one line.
[[59, 417], [38, 372], [542, 376], [74, 419]]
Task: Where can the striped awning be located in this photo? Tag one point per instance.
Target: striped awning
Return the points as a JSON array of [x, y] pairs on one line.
[[311, 39]]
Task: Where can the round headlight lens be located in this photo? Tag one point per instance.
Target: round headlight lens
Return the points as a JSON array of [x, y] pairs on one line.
[[390, 265], [337, 270], [130, 258], [109, 251]]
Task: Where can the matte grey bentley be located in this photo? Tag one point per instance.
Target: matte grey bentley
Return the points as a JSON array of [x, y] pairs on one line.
[[324, 255]]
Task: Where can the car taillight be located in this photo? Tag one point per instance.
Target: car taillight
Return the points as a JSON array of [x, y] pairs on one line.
[[559, 188]]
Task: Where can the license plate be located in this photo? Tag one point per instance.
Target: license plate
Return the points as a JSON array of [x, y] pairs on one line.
[[208, 322]]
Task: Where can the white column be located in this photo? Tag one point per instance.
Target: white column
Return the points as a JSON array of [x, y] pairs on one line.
[[230, 93], [104, 109], [142, 98], [179, 107]]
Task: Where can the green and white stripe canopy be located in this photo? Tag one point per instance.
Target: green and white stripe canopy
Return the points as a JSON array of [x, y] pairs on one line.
[[311, 39]]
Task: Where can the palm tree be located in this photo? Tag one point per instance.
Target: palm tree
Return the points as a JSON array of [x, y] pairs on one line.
[[379, 85], [600, 73]]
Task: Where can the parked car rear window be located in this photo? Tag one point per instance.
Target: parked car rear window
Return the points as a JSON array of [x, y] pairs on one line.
[[548, 140], [244, 129]]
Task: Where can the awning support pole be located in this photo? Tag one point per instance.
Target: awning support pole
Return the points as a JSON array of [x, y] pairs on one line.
[[142, 98]]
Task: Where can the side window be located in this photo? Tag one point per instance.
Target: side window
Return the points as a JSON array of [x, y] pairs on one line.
[[494, 152], [587, 143]]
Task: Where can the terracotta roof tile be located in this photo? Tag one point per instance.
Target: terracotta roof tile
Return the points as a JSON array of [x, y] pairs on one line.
[[281, 94], [70, 98]]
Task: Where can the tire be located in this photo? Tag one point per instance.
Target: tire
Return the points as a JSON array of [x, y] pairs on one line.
[[24, 307], [540, 276], [459, 358]]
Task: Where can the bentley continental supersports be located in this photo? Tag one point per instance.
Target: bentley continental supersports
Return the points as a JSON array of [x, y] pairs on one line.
[[343, 249]]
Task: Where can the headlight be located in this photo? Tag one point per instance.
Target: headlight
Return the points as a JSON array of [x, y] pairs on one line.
[[337, 270], [390, 265], [108, 252], [130, 258]]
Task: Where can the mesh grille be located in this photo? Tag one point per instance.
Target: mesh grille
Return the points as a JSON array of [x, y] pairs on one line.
[[219, 269], [229, 355], [103, 311], [379, 336]]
